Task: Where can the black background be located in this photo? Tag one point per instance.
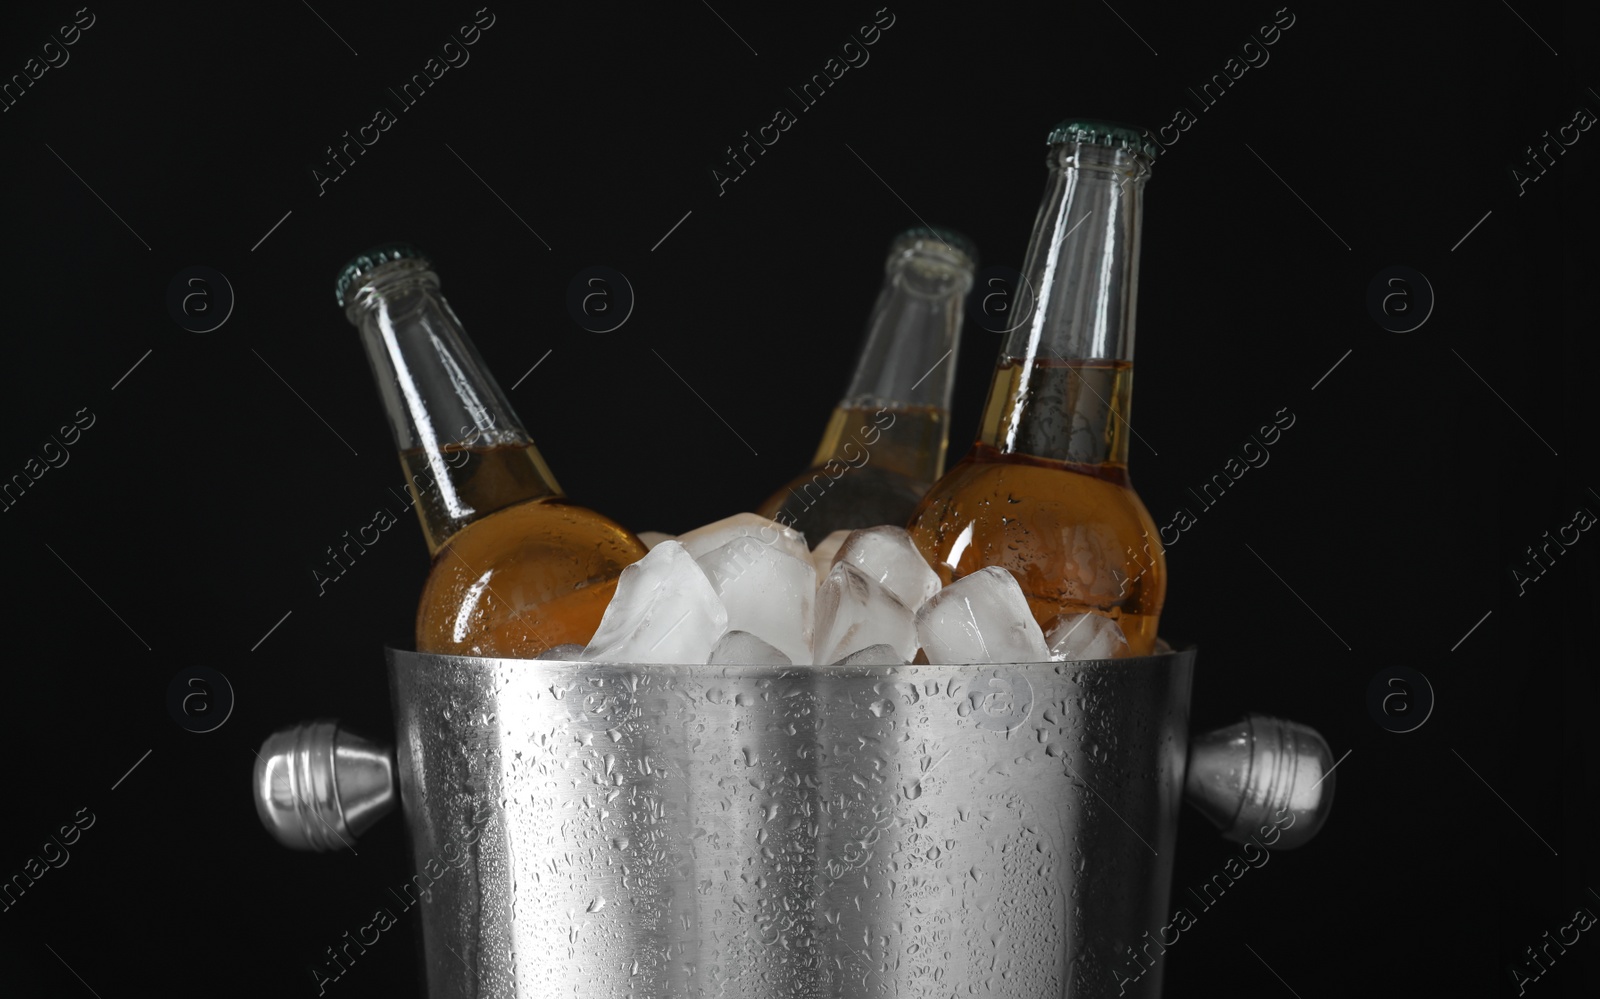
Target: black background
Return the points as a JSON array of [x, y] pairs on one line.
[[192, 513]]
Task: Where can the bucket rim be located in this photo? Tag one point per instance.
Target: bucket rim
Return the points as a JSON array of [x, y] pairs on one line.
[[407, 660]]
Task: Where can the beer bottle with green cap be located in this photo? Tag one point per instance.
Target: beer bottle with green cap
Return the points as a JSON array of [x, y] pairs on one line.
[[885, 442], [1044, 492], [516, 569]]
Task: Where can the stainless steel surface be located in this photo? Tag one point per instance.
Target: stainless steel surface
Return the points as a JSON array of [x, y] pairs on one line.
[[599, 830], [318, 787], [1261, 774]]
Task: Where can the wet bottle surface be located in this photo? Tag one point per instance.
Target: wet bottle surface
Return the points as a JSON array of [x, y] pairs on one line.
[[885, 442], [517, 569], [1045, 491]]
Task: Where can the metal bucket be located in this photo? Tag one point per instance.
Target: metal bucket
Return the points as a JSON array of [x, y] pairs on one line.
[[651, 831]]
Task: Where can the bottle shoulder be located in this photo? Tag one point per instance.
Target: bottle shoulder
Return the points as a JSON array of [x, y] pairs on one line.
[[550, 524], [986, 462], [824, 499], [1032, 495]]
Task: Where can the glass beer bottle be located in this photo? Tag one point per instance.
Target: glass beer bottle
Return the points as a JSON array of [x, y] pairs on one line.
[[516, 568], [1044, 492], [885, 442]]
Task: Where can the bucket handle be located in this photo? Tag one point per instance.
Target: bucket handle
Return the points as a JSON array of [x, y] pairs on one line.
[[318, 786]]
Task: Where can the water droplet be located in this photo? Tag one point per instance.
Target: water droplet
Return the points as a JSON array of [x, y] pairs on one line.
[[598, 904]]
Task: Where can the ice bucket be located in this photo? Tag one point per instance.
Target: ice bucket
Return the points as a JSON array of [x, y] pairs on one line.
[[644, 830]]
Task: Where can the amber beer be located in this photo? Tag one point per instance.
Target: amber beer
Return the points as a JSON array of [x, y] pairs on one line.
[[1044, 492], [517, 569], [884, 445]]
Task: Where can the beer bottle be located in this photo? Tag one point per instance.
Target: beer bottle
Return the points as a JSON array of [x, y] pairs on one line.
[[516, 568], [884, 444], [1044, 492]]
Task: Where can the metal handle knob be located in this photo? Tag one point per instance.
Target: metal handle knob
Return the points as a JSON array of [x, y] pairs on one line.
[[318, 787], [1263, 777]]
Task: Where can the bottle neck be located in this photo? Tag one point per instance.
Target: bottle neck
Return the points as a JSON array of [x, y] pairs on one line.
[[465, 453], [1064, 382], [895, 414]]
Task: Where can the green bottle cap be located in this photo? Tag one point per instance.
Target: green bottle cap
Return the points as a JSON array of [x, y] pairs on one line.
[[357, 268], [1092, 131], [935, 234]]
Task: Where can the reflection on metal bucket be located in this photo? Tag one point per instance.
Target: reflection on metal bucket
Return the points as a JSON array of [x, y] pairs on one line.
[[817, 831]]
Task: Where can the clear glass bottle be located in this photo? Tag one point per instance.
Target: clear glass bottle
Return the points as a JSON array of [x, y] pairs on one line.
[[1044, 491], [516, 568], [885, 443]]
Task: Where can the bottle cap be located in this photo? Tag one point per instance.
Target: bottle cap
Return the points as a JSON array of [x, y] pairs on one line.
[[357, 268], [936, 234], [1092, 131]]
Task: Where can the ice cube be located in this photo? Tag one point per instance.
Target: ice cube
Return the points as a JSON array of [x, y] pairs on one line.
[[767, 592], [873, 655], [827, 548], [653, 538], [664, 611], [746, 649], [981, 618], [568, 652], [1085, 636], [745, 525], [888, 555], [854, 611]]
